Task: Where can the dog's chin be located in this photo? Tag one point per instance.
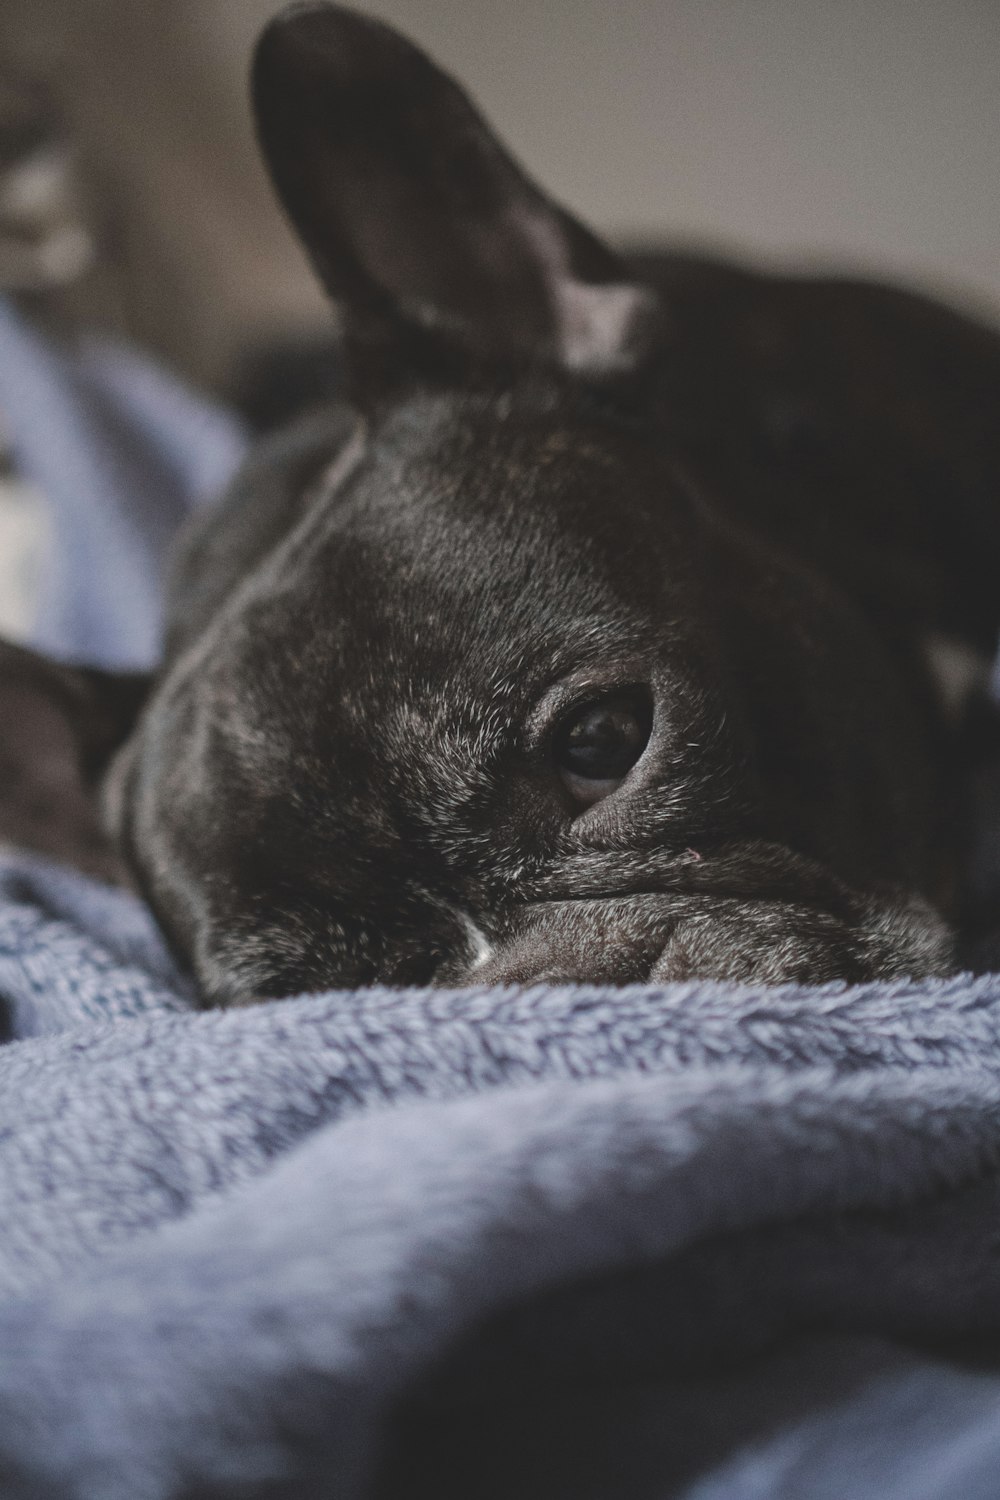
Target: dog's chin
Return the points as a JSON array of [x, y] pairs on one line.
[[658, 939]]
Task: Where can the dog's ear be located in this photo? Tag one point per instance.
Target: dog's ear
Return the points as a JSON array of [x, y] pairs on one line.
[[59, 727], [416, 217]]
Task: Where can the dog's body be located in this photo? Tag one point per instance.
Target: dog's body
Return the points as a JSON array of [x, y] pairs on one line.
[[712, 532]]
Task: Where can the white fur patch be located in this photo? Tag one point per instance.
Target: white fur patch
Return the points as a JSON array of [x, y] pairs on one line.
[[598, 324], [481, 950], [958, 671]]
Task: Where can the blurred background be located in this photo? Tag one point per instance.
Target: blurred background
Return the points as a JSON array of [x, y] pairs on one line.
[[795, 133], [861, 134]]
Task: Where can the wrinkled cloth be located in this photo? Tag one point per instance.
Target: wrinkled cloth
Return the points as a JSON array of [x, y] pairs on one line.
[[695, 1241]]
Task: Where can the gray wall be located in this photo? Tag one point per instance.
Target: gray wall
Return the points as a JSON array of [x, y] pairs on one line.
[[860, 131]]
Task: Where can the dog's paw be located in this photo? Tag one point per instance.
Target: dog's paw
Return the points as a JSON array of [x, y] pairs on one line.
[[773, 942]]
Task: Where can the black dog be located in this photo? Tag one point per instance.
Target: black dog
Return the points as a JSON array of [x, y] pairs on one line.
[[618, 627]]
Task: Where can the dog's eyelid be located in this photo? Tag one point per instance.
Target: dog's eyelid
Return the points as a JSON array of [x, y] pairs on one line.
[[587, 793], [581, 689]]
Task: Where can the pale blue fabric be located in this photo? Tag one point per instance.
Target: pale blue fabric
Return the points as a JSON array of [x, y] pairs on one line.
[[121, 452], [698, 1241]]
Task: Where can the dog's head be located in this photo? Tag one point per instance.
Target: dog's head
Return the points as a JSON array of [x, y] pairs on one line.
[[466, 677]]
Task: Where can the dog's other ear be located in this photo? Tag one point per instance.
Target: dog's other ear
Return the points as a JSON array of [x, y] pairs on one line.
[[415, 216], [59, 727]]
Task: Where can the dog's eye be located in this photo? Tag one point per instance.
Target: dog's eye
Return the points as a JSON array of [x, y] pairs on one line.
[[598, 744]]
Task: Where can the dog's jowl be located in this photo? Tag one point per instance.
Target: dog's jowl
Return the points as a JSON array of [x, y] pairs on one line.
[[604, 628]]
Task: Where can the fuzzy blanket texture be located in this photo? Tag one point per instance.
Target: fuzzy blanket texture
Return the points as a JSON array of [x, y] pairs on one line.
[[695, 1241]]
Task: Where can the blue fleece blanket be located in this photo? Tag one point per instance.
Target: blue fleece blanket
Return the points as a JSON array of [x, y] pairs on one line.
[[697, 1241]]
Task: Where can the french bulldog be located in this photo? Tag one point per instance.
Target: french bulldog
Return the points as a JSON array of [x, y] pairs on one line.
[[617, 622]]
